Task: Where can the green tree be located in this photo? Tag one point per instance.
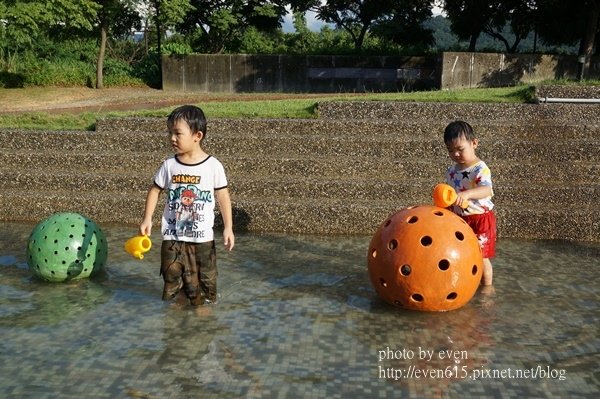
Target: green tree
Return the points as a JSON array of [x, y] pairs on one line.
[[216, 24], [397, 20], [167, 14], [303, 40], [24, 21], [469, 18], [557, 22], [561, 22], [405, 25], [158, 16], [519, 15], [116, 17]]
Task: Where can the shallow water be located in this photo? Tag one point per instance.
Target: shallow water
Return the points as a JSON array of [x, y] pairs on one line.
[[298, 318]]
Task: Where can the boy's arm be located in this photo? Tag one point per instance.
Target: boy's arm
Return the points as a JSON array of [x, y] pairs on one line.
[[474, 193], [482, 190], [151, 201], [224, 202]]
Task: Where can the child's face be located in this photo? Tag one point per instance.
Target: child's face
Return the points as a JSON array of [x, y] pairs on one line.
[[182, 138], [462, 151]]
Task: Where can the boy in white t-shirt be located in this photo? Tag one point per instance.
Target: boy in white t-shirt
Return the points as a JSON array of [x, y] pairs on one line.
[[472, 180], [194, 181]]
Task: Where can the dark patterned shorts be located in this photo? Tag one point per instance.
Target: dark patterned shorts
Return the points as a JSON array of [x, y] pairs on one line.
[[191, 267]]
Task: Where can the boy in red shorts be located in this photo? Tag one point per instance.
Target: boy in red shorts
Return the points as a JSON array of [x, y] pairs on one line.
[[472, 180]]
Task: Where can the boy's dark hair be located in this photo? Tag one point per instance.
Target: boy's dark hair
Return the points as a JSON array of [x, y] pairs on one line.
[[457, 129], [192, 115]]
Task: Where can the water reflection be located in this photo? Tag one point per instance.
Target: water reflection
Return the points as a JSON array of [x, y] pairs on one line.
[[297, 317]]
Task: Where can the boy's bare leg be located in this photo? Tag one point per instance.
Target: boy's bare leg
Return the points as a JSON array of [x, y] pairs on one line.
[[488, 272]]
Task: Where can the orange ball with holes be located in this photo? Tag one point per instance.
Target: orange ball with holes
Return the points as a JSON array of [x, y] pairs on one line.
[[425, 258]]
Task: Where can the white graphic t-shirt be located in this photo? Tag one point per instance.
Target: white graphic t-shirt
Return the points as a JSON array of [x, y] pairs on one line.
[[190, 190], [471, 177]]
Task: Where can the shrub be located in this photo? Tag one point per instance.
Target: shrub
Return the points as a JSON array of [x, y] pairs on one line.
[[57, 73], [11, 80], [147, 70]]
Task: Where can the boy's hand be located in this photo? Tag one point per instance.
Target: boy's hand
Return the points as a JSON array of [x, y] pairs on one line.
[[146, 228], [462, 202], [228, 239], [464, 197]]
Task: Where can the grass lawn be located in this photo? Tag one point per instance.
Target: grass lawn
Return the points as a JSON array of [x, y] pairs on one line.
[[263, 105]]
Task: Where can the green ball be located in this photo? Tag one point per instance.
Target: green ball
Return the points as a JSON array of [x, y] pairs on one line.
[[66, 246]]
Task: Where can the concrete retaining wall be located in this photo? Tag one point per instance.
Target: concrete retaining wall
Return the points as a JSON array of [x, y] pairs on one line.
[[237, 73], [471, 70]]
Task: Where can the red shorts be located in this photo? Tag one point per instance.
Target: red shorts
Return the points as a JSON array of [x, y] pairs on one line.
[[484, 226]]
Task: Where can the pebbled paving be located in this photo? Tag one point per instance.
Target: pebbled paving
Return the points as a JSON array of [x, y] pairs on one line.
[[343, 173]]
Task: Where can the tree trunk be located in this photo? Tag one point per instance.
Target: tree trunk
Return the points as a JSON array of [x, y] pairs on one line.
[[587, 46], [473, 42], [101, 53], [158, 42]]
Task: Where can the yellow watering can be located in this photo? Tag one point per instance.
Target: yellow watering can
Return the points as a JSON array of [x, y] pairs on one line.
[[138, 246]]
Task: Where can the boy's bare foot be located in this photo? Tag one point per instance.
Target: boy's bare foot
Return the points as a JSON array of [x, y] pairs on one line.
[[487, 298], [180, 301], [487, 289], [203, 311]]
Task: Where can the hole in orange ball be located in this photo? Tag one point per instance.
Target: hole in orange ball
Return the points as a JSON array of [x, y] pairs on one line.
[[460, 236], [412, 219], [417, 297], [382, 282], [474, 270], [444, 264], [387, 223], [405, 270], [426, 241], [393, 244], [451, 296], [438, 213]]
